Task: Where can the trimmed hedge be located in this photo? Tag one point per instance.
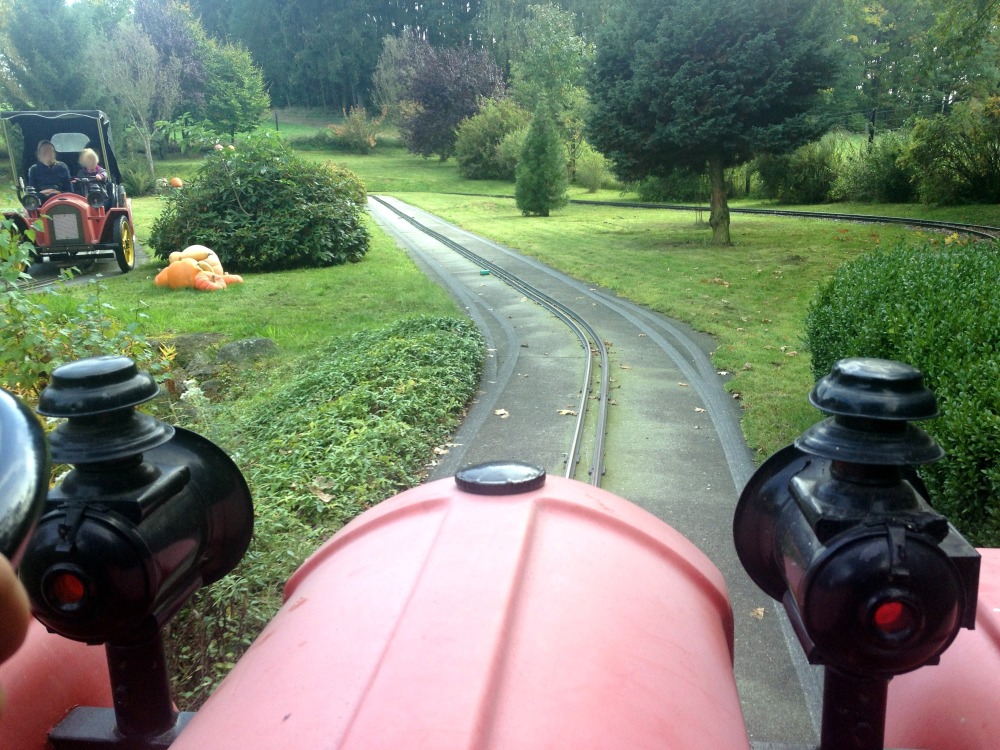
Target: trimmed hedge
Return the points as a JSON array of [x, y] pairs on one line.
[[934, 307], [262, 208]]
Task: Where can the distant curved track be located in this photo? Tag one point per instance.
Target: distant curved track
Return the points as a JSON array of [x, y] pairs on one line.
[[589, 338], [980, 231]]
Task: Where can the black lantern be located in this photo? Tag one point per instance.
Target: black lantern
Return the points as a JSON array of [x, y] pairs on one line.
[[839, 528]]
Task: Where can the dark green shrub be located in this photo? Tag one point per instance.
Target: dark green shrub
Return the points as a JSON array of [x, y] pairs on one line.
[[935, 308], [956, 157], [804, 176], [261, 208], [680, 186], [479, 138], [541, 168], [874, 172]]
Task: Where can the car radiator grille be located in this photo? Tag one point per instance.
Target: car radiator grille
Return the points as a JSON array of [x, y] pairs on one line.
[[66, 225]]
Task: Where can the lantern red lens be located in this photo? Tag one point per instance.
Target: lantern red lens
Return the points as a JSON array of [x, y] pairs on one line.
[[67, 590], [894, 618]]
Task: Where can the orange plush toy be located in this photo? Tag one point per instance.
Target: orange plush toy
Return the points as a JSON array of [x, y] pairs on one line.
[[196, 267]]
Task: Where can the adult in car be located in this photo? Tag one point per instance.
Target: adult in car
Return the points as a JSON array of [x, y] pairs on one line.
[[48, 175]]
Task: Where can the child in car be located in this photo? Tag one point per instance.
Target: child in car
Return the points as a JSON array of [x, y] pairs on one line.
[[89, 168]]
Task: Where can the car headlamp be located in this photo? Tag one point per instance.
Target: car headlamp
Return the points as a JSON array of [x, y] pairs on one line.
[[31, 200]]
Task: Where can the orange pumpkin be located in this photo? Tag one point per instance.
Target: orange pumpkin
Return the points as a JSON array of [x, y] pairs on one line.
[[176, 182], [179, 274], [232, 278], [201, 254], [206, 281]]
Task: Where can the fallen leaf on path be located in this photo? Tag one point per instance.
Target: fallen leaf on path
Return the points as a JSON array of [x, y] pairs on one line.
[[683, 385], [567, 413], [440, 451], [698, 409], [502, 413], [625, 367], [757, 614]]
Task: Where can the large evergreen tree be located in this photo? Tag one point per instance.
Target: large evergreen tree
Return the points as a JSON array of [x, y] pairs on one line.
[[709, 82]]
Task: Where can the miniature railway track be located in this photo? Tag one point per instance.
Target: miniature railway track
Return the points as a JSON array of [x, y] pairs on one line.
[[590, 340], [83, 268], [976, 230], [980, 231]]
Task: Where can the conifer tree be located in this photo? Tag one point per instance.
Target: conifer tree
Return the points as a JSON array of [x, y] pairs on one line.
[[710, 83], [541, 169]]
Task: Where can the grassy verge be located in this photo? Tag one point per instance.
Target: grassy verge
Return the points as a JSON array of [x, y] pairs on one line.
[[322, 441]]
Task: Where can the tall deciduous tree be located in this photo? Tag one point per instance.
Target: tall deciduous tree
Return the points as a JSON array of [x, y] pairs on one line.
[[145, 87], [235, 97], [394, 72], [709, 82], [447, 85], [36, 70], [177, 34], [549, 66]]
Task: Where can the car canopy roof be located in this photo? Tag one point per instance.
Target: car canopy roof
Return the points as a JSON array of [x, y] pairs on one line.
[[72, 129]]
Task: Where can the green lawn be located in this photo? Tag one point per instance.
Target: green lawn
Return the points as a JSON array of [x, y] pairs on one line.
[[751, 297], [300, 310]]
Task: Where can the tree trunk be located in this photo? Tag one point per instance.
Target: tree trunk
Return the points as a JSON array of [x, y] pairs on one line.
[[719, 220], [147, 144]]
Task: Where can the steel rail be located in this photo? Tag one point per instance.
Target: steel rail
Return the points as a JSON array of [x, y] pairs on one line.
[[977, 230], [589, 339]]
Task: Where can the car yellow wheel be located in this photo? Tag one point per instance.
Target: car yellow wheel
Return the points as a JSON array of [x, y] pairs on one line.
[[124, 245]]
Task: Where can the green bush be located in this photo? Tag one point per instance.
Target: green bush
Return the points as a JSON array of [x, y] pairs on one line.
[[40, 332], [541, 168], [357, 134], [352, 425], [680, 186], [136, 177], [874, 172], [509, 151], [956, 157], [935, 308], [592, 168], [806, 175], [479, 137], [261, 208]]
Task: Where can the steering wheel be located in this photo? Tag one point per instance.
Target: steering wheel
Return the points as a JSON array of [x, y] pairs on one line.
[[24, 475]]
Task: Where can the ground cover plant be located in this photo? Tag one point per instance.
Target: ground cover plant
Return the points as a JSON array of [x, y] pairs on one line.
[[934, 307], [334, 434]]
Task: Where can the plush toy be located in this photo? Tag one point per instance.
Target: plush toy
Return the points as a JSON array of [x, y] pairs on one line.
[[196, 267]]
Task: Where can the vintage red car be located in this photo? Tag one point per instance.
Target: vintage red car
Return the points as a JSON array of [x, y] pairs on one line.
[[95, 220]]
